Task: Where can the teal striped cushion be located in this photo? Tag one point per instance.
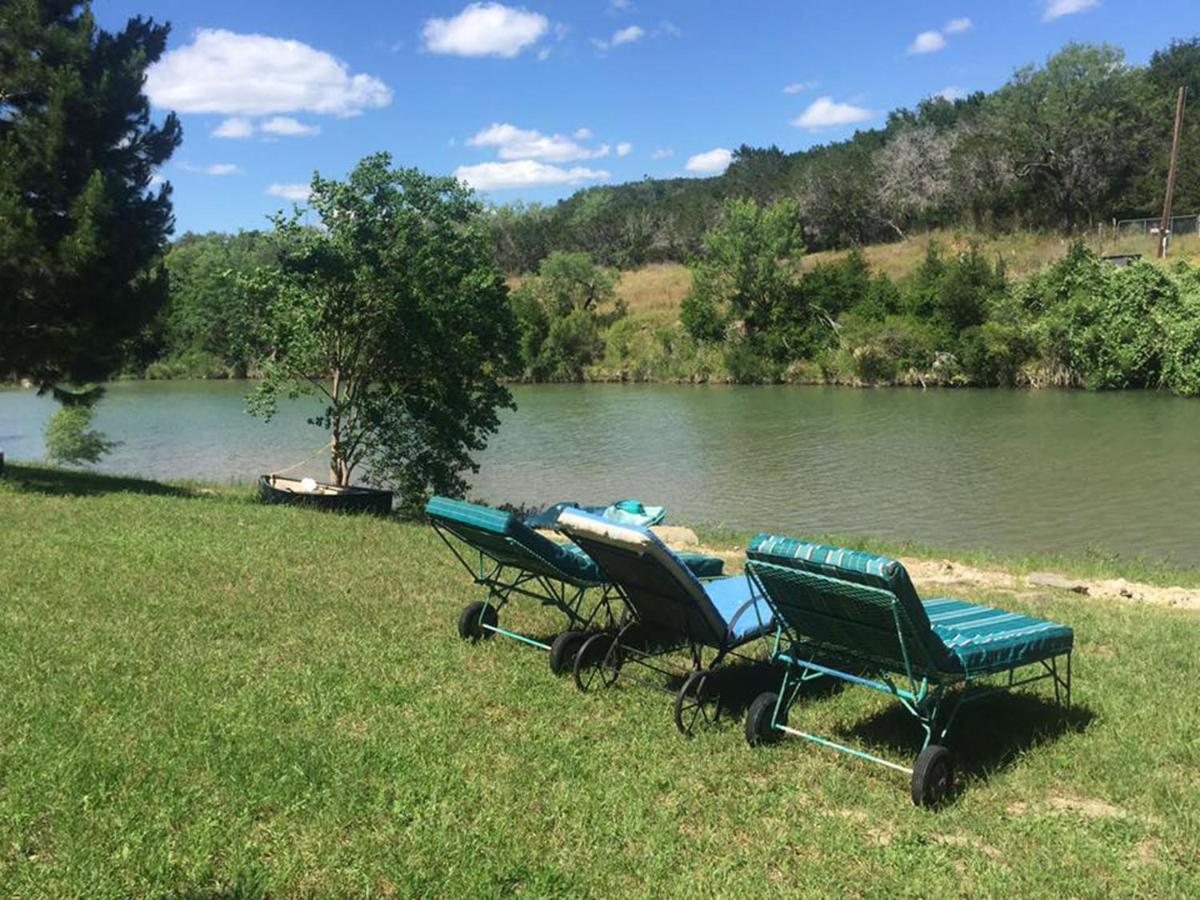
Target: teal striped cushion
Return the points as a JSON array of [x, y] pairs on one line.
[[985, 639], [564, 560], [960, 636], [848, 565], [569, 560]]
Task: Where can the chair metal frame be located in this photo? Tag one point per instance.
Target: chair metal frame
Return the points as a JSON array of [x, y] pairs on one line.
[[925, 688]]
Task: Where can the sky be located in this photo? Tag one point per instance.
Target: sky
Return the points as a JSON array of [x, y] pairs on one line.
[[532, 100]]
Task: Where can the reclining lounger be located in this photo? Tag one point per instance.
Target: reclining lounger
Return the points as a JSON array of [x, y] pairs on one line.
[[668, 608], [512, 560], [857, 617]]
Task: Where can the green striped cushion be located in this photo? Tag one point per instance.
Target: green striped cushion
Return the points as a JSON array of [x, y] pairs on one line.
[[848, 565], [569, 560], [540, 554], [985, 639], [960, 636]]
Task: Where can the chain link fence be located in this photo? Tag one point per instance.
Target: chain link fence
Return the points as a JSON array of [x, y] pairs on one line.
[[1180, 225]]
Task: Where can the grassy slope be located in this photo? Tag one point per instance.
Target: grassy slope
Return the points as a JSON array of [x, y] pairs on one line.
[[656, 291], [205, 695]]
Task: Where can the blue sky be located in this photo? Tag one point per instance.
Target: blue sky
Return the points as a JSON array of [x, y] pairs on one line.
[[532, 100]]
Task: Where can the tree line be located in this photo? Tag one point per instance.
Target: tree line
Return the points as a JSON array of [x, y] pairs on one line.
[[1082, 139]]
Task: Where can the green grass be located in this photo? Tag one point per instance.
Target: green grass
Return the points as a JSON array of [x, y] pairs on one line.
[[209, 697]]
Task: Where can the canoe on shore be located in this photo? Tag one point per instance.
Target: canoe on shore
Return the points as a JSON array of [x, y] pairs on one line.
[[306, 492]]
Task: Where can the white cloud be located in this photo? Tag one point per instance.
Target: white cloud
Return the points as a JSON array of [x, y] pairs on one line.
[[211, 168], [254, 75], [1056, 9], [297, 192], [215, 168], [628, 35], [543, 54], [237, 127], [662, 153], [927, 42], [957, 26], [620, 5], [485, 29], [583, 134], [494, 176], [286, 126], [512, 142], [825, 113], [799, 87], [624, 148], [951, 92], [713, 162]]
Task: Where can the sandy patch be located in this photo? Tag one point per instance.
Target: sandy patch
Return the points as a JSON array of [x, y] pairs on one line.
[[935, 577]]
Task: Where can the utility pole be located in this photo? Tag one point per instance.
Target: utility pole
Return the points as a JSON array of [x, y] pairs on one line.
[[1164, 228]]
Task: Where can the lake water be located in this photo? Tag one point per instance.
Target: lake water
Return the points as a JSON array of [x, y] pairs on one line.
[[1013, 471]]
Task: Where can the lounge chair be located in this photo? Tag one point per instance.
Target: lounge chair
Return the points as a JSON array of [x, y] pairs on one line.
[[856, 617], [669, 610], [627, 512], [512, 560]]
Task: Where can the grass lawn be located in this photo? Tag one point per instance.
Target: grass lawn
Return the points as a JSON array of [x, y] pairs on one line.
[[209, 697]]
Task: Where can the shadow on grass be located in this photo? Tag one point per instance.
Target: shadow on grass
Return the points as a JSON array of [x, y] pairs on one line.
[[987, 735], [66, 483]]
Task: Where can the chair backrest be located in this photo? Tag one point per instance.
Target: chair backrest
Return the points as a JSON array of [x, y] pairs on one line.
[[657, 585], [502, 537], [847, 603]]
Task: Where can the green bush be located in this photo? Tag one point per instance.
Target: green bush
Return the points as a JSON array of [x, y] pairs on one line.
[[881, 351], [572, 344], [1181, 352], [70, 440], [993, 353]]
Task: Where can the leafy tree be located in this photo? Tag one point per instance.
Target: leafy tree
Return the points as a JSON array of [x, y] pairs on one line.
[[82, 224], [393, 313], [69, 437], [1074, 129], [558, 313], [208, 322], [748, 270]]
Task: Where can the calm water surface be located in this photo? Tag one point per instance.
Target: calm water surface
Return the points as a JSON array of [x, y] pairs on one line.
[[1012, 471]]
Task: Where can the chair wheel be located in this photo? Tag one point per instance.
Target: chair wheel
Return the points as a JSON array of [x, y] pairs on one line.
[[598, 660], [933, 776], [563, 650], [759, 728], [696, 703], [472, 619]]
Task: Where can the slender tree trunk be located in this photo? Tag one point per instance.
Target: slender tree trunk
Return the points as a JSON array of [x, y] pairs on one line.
[[338, 473]]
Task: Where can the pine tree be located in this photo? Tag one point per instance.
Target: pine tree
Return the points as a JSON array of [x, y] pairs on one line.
[[83, 223]]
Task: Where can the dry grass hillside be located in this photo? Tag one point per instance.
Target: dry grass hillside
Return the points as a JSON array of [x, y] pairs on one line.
[[657, 290]]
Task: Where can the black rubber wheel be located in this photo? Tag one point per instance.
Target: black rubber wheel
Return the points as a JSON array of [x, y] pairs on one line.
[[563, 650], [696, 703], [933, 776], [589, 665], [472, 619], [758, 720]]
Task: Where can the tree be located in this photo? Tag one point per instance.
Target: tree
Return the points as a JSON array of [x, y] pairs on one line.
[[1074, 129], [749, 269], [914, 175], [209, 327], [394, 314], [82, 225], [558, 314]]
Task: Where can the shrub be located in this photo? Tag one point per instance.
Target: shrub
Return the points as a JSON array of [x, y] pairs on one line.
[[70, 440], [994, 352], [880, 351]]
